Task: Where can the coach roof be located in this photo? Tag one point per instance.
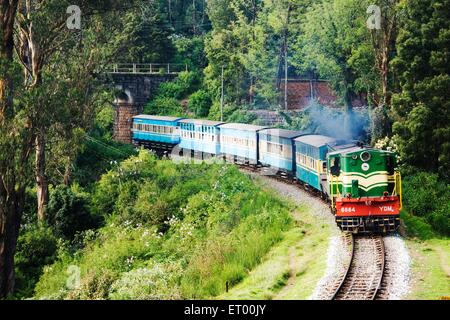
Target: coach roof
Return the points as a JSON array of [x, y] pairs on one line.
[[159, 118], [283, 133], [242, 127], [202, 122], [315, 140]]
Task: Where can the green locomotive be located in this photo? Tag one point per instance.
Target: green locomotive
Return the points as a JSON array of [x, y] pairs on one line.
[[365, 189]]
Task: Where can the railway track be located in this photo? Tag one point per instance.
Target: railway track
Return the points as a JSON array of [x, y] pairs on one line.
[[363, 279]]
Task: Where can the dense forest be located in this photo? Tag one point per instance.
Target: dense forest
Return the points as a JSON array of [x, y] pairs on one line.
[[70, 195]]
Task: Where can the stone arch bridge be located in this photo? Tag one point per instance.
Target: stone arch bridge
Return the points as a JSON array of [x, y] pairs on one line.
[[137, 84]]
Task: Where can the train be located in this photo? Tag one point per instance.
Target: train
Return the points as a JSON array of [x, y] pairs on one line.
[[360, 183]]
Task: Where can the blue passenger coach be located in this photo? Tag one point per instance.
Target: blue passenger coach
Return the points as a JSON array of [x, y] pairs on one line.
[[200, 135], [147, 128], [311, 154], [277, 148], [240, 141]]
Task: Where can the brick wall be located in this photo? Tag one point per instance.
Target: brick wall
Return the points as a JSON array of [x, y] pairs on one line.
[[300, 93], [123, 120], [137, 90]]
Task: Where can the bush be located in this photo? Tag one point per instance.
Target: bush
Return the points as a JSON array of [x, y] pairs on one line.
[[183, 85], [190, 51], [426, 196], [158, 282], [167, 99], [95, 286], [200, 103], [36, 247], [67, 212], [98, 155], [162, 105]]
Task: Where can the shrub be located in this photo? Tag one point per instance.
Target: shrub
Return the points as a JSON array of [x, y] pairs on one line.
[[165, 106], [200, 103], [158, 282], [94, 286], [36, 247], [426, 196], [183, 85], [67, 212]]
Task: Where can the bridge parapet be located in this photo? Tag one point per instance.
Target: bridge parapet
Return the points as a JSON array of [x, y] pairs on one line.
[[147, 68]]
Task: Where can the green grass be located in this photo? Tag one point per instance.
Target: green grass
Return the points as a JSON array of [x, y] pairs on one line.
[[430, 269], [417, 227], [292, 268], [430, 254]]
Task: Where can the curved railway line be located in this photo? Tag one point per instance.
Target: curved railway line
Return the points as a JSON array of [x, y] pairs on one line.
[[366, 269], [363, 279]]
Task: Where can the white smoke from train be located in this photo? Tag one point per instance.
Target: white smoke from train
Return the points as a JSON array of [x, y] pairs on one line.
[[337, 123]]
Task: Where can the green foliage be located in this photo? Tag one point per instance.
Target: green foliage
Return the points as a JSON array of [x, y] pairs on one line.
[[426, 196], [333, 42], [164, 106], [200, 103], [173, 231], [422, 117], [241, 116], [417, 226], [232, 113], [98, 155], [36, 247], [184, 84], [190, 51], [157, 282], [67, 212], [146, 35], [167, 99]]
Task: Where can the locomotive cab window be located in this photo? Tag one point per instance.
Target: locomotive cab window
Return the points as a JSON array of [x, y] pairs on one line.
[[335, 166], [390, 165]]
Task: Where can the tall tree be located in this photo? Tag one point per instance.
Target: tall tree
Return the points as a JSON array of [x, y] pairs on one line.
[[42, 56], [422, 107], [224, 47], [42, 35], [14, 151], [331, 34], [383, 41]]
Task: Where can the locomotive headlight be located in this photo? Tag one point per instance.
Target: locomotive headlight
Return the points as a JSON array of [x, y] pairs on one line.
[[365, 156]]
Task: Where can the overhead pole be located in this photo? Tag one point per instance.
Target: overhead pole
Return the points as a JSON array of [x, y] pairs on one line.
[[222, 96], [285, 78]]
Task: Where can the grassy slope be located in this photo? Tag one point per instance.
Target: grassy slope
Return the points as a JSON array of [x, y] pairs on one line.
[[430, 269], [227, 227], [293, 267], [430, 254]]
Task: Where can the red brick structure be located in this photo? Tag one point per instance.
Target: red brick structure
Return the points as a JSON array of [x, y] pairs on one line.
[[302, 92], [135, 91], [123, 120]]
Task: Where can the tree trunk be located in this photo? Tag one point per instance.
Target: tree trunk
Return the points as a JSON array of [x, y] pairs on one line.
[[68, 172], [11, 194], [11, 207], [41, 178]]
